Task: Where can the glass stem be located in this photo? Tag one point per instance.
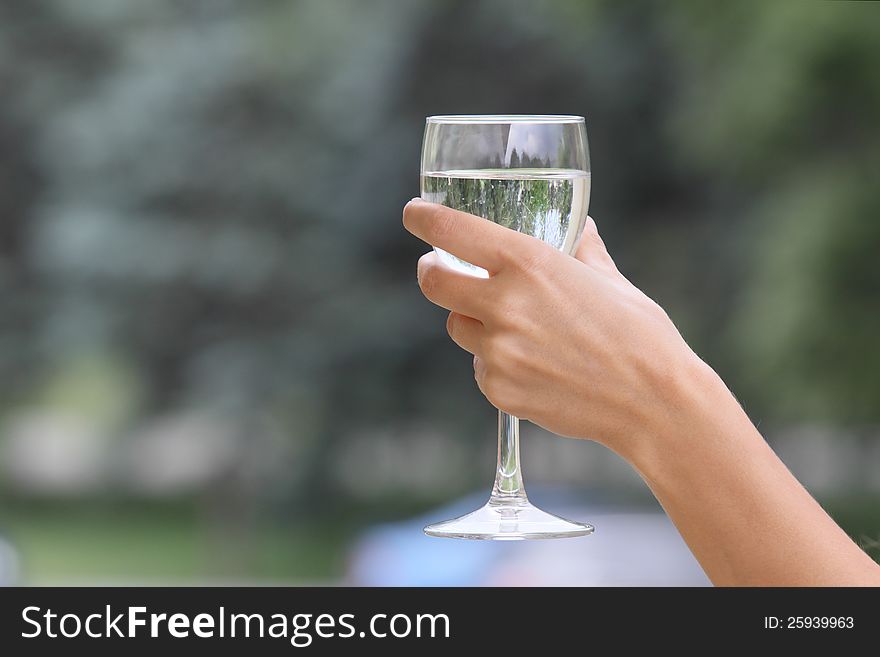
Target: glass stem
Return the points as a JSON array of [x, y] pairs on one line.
[[508, 488]]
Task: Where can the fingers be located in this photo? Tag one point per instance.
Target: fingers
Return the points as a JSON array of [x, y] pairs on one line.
[[471, 238], [452, 289], [466, 332], [591, 249]]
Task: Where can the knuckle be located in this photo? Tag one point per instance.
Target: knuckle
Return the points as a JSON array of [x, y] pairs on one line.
[[498, 348], [491, 350], [507, 309], [515, 358], [442, 223], [503, 352], [535, 259]]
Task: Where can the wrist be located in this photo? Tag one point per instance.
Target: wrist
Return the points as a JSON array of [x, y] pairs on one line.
[[692, 410]]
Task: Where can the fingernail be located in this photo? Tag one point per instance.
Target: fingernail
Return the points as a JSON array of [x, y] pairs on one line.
[[416, 199]]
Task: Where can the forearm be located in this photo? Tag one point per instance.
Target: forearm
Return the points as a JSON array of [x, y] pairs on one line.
[[743, 514], [546, 333]]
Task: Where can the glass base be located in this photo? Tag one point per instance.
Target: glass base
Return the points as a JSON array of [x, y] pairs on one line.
[[508, 522]]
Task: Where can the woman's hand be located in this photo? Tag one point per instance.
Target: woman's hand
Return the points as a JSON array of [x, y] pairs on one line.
[[570, 344], [565, 342]]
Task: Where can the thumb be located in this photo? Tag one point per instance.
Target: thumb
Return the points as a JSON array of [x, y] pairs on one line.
[[591, 249]]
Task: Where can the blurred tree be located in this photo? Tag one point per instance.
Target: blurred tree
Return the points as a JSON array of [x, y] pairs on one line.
[[203, 201], [782, 105]]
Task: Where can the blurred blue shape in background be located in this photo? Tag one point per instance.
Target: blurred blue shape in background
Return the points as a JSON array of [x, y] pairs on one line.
[[629, 548]]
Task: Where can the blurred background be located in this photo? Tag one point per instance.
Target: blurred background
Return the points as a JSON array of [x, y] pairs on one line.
[[216, 365]]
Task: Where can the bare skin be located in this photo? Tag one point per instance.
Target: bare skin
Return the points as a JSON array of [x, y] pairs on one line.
[[571, 345]]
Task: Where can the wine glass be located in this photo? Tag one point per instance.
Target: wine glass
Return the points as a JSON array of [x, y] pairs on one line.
[[530, 173]]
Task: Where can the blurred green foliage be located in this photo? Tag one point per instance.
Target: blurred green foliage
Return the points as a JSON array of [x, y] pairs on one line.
[[200, 202], [786, 114], [156, 545]]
